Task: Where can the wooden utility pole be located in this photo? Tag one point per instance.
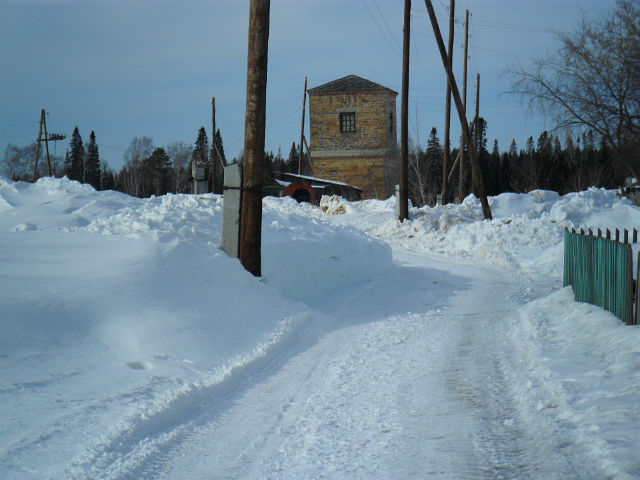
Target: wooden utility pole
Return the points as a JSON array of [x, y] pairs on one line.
[[213, 178], [46, 141], [475, 167], [304, 102], [254, 131], [404, 120], [462, 177], [35, 164], [47, 138], [477, 115], [447, 110]]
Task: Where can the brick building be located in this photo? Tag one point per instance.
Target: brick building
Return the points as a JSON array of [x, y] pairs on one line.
[[353, 134]]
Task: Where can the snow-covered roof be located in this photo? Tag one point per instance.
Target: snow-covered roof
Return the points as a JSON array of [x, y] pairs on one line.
[[323, 180]]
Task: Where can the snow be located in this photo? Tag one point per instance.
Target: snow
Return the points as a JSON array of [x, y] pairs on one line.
[[131, 346]]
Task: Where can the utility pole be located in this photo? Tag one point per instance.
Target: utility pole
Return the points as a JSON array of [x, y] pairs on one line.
[[304, 102], [254, 131], [213, 178], [403, 212], [447, 111], [35, 164], [461, 175], [475, 167], [477, 115], [47, 138]]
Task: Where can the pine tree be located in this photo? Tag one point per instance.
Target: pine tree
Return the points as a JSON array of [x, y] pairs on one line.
[[268, 166], [92, 163], [488, 174], [513, 149], [433, 167], [74, 164], [278, 165], [107, 180], [201, 150], [157, 173], [218, 162], [220, 146], [495, 167], [292, 162]]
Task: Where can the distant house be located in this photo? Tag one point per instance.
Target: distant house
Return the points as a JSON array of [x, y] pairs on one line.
[[353, 134]]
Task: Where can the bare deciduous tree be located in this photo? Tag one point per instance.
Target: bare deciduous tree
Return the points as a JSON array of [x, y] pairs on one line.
[[593, 82], [180, 154]]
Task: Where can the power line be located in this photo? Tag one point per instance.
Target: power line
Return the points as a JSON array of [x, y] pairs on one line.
[[387, 24], [396, 50], [493, 24]]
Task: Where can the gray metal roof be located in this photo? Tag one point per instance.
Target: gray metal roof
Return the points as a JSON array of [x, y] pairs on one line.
[[349, 83]]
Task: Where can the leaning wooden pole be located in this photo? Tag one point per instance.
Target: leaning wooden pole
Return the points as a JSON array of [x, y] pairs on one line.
[[404, 117], [46, 143], [254, 131], [475, 167], [304, 102], [35, 163], [447, 109], [475, 130]]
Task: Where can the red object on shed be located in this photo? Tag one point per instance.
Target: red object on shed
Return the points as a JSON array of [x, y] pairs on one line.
[[301, 192]]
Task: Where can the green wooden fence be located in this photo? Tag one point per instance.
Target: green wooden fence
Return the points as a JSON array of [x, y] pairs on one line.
[[600, 271]]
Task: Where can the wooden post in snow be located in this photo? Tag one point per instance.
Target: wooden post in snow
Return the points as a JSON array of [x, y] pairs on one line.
[[447, 110], [254, 130], [403, 210]]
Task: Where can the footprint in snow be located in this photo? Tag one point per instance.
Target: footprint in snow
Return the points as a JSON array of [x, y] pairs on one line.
[[140, 365]]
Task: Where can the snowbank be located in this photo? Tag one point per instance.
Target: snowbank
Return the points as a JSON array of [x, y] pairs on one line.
[[117, 309], [526, 230], [577, 373]]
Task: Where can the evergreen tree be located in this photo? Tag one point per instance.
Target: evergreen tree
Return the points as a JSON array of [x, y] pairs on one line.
[[92, 163], [107, 180], [268, 167], [157, 173], [292, 162], [278, 165], [488, 174], [220, 146], [74, 163], [495, 166], [201, 150], [218, 162], [513, 149], [433, 167]]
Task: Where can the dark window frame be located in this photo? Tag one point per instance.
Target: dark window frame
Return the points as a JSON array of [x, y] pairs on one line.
[[347, 122]]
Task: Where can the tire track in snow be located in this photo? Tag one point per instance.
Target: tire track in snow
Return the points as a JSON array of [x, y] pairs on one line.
[[143, 441]]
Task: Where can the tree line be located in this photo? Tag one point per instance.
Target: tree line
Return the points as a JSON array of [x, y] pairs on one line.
[[147, 169], [545, 163]]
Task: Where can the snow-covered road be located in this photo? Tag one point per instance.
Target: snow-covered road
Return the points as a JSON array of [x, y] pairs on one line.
[[403, 382]]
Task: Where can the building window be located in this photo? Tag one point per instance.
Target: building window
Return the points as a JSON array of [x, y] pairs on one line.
[[391, 122], [347, 122]]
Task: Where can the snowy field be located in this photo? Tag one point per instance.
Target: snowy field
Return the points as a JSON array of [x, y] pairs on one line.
[[444, 347]]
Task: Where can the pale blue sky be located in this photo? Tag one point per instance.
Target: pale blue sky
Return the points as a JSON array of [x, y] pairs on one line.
[[150, 68]]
